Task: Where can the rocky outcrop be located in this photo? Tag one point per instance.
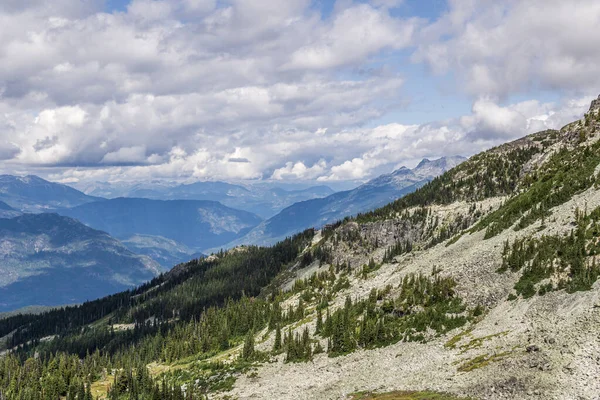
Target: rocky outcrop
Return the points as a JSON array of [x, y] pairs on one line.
[[595, 104]]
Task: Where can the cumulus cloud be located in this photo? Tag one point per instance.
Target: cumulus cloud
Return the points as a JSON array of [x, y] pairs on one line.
[[354, 33], [300, 171], [126, 155], [501, 48]]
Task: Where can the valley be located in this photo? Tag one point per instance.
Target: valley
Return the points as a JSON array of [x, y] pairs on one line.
[[159, 233]]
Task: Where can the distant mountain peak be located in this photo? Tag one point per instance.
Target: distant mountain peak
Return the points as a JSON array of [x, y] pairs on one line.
[[21, 178], [426, 169], [423, 162], [431, 168], [30, 193], [399, 172]]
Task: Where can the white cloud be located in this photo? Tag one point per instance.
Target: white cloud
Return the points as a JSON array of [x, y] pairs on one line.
[[501, 48], [126, 155], [79, 87], [344, 154], [299, 171], [390, 146], [354, 34]]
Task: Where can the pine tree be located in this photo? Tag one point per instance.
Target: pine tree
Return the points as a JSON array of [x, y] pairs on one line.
[[88, 392], [248, 351], [81, 391], [277, 343], [319, 325]]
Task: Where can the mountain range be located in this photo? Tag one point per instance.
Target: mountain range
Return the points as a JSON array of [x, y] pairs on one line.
[[171, 226], [261, 199], [174, 231], [104, 245], [51, 260], [366, 197], [33, 194]]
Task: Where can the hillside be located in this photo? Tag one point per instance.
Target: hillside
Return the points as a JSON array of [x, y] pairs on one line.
[[7, 211], [482, 284], [193, 224], [34, 194], [319, 212], [50, 260]]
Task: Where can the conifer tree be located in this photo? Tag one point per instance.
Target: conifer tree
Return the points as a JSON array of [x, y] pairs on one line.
[[88, 392], [277, 343], [319, 325], [248, 350]]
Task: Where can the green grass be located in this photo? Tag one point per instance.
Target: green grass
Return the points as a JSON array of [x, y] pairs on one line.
[[476, 343], [451, 344], [402, 395], [481, 361]]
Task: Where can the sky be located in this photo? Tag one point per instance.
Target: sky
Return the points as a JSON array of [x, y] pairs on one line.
[[319, 92]]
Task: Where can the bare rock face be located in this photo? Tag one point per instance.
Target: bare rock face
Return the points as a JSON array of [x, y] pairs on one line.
[[595, 104]]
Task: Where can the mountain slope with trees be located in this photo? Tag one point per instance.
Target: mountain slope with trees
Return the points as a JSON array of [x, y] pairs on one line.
[[33, 194], [49, 260], [195, 224]]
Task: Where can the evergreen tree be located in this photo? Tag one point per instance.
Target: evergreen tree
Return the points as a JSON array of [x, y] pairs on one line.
[[248, 350], [319, 324], [277, 343]]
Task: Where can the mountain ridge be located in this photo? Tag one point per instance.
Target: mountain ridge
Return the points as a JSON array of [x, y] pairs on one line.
[[262, 199], [197, 224], [51, 260], [31, 193], [372, 194]]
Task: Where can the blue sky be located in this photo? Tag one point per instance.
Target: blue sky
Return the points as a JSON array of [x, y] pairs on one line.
[[285, 91], [429, 9]]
